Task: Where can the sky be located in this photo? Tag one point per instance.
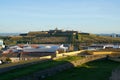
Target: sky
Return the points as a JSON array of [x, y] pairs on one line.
[[93, 16]]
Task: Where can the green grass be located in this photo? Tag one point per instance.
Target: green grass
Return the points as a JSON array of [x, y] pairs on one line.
[[70, 58], [19, 63], [10, 75], [96, 70]]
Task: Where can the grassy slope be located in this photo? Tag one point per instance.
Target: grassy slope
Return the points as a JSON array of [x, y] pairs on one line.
[[10, 75], [97, 70], [95, 38]]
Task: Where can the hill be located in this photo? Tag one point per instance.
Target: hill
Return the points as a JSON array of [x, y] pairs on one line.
[[58, 37]]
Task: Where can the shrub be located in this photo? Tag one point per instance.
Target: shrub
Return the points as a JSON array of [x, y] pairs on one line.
[[8, 60]]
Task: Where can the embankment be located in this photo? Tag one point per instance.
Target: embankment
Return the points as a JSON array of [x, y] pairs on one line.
[[53, 70]]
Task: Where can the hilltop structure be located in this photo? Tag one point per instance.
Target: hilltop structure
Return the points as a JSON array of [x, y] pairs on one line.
[[55, 32], [55, 36]]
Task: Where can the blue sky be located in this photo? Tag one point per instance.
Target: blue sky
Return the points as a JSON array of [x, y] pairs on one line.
[[94, 16]]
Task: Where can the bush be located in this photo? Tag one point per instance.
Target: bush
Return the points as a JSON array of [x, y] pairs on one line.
[[8, 60]]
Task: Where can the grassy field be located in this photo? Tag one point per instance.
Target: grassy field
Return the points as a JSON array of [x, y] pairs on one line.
[[20, 63], [96, 70], [10, 75]]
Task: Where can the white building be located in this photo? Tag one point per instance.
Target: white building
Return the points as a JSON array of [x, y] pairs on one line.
[[2, 44]]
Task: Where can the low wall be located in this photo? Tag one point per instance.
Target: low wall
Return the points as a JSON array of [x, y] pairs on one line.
[[61, 55], [72, 53], [115, 54], [114, 59], [98, 53], [15, 59], [87, 59], [45, 57], [112, 53]]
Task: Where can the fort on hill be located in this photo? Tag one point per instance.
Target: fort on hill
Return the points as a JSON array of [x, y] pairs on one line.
[[55, 32], [52, 36], [75, 38]]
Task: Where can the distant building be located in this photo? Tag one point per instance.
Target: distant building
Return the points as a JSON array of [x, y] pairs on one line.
[[110, 35], [23, 34], [115, 35], [84, 33], [55, 32], [62, 33], [1, 44]]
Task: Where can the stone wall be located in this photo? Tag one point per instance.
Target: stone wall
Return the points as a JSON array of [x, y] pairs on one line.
[[88, 59], [98, 53], [114, 59], [112, 53], [74, 53]]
